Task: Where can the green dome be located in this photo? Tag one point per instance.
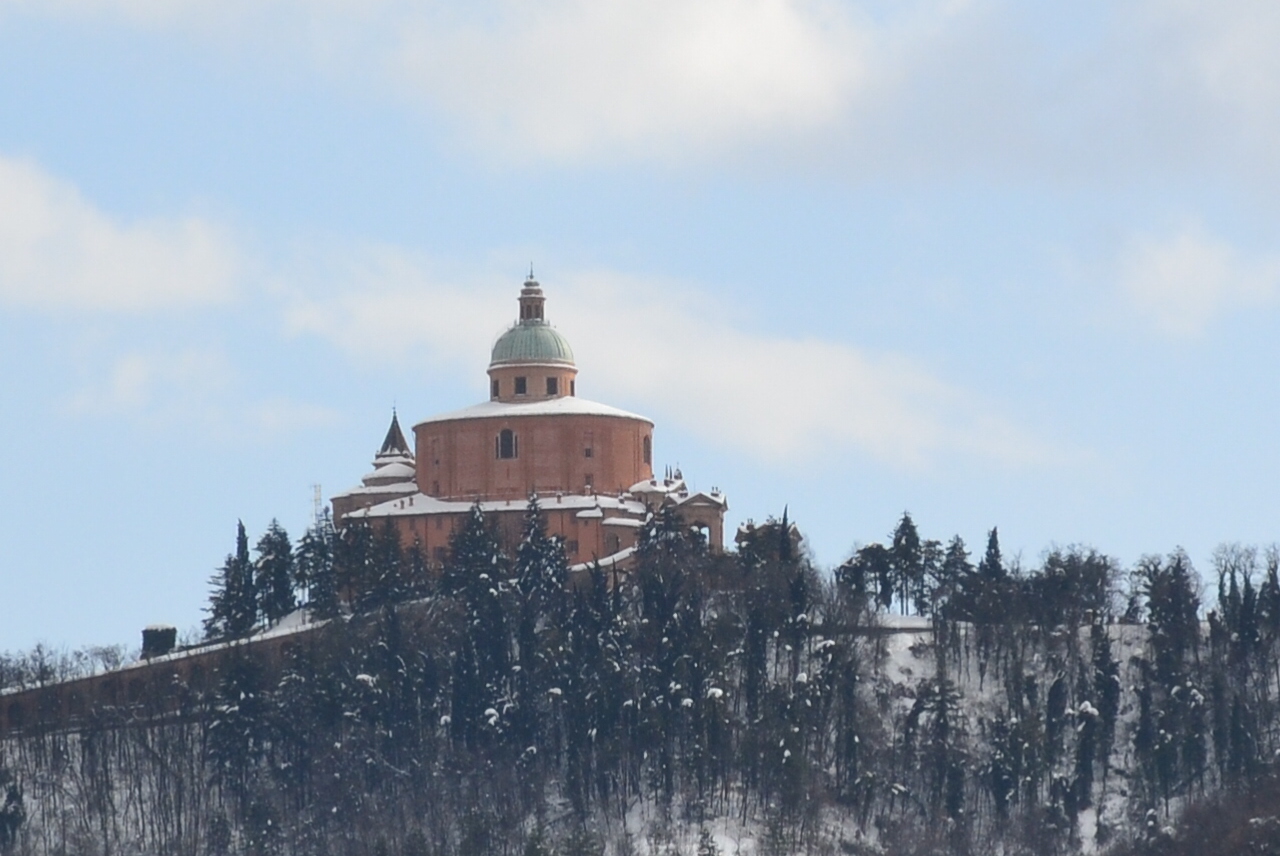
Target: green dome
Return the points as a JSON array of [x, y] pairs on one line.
[[532, 341]]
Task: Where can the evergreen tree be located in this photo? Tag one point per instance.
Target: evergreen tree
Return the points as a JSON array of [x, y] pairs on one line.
[[541, 569], [477, 575], [383, 580], [313, 567], [233, 603], [353, 556], [274, 574], [908, 563], [872, 569]]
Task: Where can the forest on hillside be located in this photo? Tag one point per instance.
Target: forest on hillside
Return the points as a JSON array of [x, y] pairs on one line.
[[698, 703]]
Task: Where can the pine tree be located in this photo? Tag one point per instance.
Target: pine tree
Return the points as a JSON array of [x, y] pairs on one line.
[[313, 567], [274, 574], [872, 569], [908, 562], [477, 575], [383, 581], [540, 571], [233, 604], [352, 561]]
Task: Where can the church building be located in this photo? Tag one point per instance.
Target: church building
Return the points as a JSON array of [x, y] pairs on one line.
[[589, 464]]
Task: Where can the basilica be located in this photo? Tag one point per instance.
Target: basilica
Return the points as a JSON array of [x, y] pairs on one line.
[[589, 464]]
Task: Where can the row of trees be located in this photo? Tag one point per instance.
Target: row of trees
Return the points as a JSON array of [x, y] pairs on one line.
[[248, 591], [503, 705]]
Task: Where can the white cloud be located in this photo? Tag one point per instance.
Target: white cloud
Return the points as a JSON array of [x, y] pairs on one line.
[[197, 388], [569, 79], [57, 251], [157, 385], [672, 351], [582, 77], [869, 88], [1228, 44], [1181, 281]]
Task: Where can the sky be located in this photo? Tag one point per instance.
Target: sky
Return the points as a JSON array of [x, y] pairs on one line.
[[994, 263]]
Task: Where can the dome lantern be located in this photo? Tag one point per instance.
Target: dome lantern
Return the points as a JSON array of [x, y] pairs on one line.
[[531, 360]]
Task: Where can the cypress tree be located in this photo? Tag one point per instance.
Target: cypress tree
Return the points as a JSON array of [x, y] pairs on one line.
[[233, 604]]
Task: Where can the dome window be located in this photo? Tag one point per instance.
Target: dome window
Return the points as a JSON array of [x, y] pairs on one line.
[[493, 388], [553, 386], [648, 450], [522, 386]]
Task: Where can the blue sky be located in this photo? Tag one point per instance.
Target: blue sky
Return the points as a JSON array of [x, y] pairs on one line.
[[996, 263]]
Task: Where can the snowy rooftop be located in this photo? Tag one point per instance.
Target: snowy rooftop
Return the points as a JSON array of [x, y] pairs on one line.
[[398, 471], [396, 489], [608, 561], [420, 503], [568, 405]]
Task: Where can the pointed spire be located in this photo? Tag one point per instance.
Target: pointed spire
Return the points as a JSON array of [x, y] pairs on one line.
[[394, 444]]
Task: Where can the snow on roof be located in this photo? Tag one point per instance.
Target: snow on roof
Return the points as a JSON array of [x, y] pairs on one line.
[[397, 489], [656, 485], [298, 621], [702, 498], [397, 470], [395, 442], [608, 561], [567, 405], [420, 503], [589, 513], [629, 522]]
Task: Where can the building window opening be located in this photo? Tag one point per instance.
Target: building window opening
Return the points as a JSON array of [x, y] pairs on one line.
[[553, 386], [648, 450], [508, 446], [573, 387], [590, 478], [493, 388], [522, 386], [586, 453]]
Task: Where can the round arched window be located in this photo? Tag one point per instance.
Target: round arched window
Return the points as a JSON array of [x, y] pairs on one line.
[[507, 446]]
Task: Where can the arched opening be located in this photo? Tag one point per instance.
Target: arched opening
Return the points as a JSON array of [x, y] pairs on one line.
[[648, 450], [507, 444]]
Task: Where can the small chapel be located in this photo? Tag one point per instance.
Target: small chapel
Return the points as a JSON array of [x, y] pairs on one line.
[[590, 465]]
